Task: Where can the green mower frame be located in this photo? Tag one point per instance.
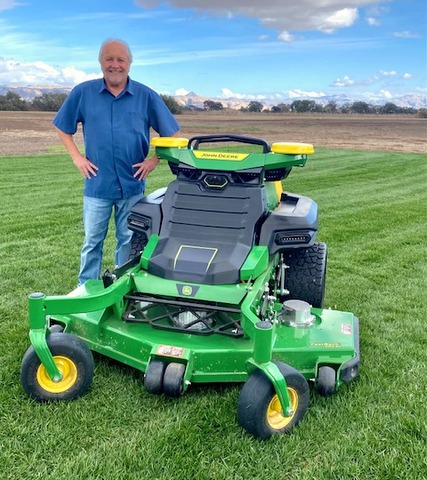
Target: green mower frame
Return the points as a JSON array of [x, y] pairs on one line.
[[225, 284]]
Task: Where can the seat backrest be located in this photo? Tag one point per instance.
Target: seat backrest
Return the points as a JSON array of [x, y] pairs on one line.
[[207, 231]]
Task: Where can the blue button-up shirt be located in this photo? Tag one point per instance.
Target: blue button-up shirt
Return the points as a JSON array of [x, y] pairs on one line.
[[116, 132]]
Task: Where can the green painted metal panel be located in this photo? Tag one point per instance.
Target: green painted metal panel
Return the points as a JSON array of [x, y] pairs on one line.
[[251, 160], [255, 263]]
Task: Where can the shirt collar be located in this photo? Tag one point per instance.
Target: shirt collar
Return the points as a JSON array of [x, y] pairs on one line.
[[128, 89]]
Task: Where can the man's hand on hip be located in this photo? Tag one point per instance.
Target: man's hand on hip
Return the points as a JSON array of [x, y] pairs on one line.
[[145, 167], [86, 167]]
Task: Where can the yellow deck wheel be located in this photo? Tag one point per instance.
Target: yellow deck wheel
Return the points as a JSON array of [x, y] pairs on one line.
[[73, 359], [68, 371], [275, 418], [259, 410]]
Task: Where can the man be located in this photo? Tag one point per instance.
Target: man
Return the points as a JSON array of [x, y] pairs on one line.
[[116, 114]]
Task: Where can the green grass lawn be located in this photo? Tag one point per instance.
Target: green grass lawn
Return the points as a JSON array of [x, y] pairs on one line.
[[372, 217]]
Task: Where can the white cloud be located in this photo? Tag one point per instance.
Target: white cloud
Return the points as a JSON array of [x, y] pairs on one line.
[[181, 92], [373, 21], [346, 81], [383, 76], [379, 97], [283, 16], [9, 4], [40, 73], [390, 73], [407, 75], [386, 94], [339, 19], [227, 93], [406, 34], [369, 81], [298, 93], [374, 11], [285, 36], [72, 76]]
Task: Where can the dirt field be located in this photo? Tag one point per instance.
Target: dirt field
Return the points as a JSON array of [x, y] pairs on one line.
[[28, 133]]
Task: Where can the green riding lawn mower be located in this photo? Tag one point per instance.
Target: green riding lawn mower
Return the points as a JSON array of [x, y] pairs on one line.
[[225, 283]]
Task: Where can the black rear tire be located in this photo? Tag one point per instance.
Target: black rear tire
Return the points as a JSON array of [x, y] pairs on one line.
[[305, 278], [139, 240]]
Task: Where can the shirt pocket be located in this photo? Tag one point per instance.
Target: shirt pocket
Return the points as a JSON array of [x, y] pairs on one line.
[[137, 123]]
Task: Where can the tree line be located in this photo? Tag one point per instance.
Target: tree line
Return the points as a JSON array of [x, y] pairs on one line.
[[310, 106], [47, 102], [51, 102]]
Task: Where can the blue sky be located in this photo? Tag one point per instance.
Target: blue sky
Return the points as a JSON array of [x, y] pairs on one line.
[[255, 49]]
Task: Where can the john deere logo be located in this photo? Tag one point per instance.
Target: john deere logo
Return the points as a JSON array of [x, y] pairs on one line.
[[187, 290]]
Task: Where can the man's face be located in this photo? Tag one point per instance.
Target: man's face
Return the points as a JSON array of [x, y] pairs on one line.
[[115, 64]]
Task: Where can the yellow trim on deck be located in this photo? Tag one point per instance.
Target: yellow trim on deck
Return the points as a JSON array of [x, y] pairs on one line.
[[292, 148], [169, 142]]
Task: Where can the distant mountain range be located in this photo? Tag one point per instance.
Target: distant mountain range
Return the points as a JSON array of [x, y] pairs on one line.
[[196, 101], [193, 100], [29, 92]]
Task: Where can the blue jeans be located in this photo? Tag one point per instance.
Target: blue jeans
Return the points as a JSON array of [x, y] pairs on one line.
[[96, 217]]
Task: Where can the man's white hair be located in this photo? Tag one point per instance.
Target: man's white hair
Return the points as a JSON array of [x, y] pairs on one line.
[[115, 40]]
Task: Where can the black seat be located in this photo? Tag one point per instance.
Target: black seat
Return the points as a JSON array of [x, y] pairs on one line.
[[207, 231]]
